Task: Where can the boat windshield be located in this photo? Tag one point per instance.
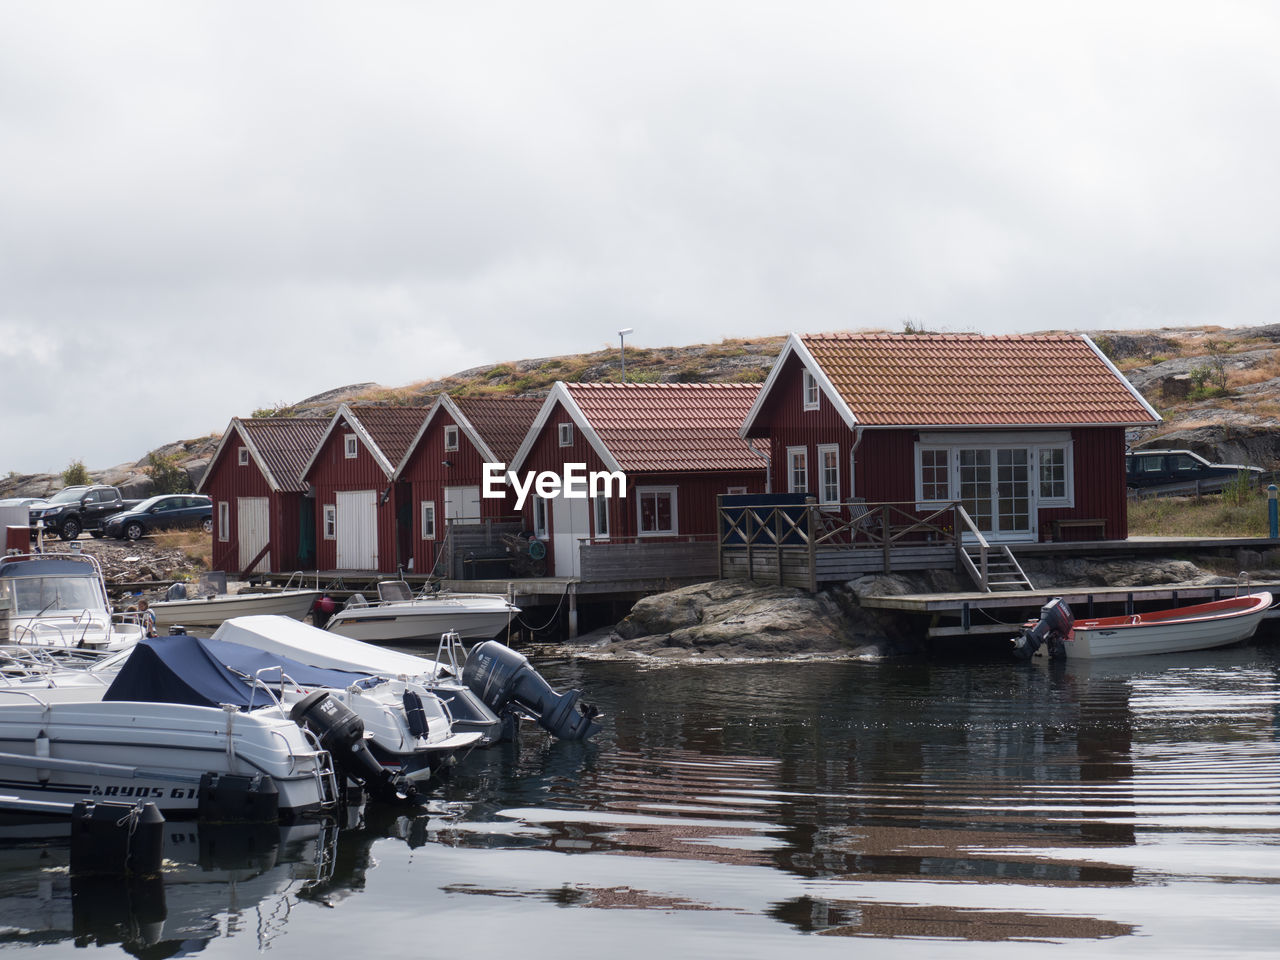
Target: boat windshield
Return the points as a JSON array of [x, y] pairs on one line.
[[47, 596]]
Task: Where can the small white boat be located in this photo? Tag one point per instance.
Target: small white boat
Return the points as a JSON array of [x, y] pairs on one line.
[[212, 610], [1202, 626], [58, 601], [400, 617]]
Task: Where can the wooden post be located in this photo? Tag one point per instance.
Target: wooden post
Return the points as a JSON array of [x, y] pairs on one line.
[[884, 533], [777, 537], [812, 517], [573, 611], [746, 532]]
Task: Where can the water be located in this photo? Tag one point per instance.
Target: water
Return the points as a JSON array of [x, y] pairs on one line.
[[966, 808]]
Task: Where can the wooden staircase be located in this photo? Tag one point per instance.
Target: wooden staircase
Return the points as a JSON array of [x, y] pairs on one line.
[[994, 568]]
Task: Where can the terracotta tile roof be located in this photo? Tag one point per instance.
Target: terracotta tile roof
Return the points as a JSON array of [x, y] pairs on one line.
[[969, 379], [670, 426], [502, 422], [285, 445], [391, 428]]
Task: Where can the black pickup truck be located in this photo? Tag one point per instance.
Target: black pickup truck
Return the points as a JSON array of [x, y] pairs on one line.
[[74, 509]]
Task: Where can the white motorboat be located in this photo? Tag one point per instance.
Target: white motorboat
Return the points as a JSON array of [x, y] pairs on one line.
[[401, 617], [210, 611], [1202, 626], [58, 601]]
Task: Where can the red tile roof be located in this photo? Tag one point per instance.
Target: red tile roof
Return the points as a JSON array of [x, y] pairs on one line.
[[502, 422], [670, 426], [285, 445], [391, 428], [969, 379]]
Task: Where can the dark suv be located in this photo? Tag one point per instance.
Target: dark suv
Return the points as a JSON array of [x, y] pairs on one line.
[[165, 512], [1155, 468]]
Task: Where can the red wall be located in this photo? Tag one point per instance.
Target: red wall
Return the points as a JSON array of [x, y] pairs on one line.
[[227, 481], [332, 471]]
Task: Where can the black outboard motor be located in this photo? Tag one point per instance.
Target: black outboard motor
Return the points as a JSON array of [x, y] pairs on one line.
[[341, 731], [1052, 628], [500, 676]]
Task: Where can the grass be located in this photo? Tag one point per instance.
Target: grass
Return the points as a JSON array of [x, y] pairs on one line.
[[1237, 512], [196, 545]]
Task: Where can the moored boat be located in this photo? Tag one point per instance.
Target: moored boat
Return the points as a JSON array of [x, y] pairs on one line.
[[1202, 626], [58, 601], [401, 617], [212, 610]]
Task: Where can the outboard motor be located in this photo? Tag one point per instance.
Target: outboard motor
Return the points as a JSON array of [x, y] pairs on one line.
[[1052, 628], [499, 676], [341, 731]]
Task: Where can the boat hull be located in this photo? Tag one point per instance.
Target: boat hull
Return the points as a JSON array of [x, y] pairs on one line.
[[1201, 627], [423, 621], [212, 611]]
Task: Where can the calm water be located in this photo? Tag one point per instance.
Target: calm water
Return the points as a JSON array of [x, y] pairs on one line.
[[971, 809]]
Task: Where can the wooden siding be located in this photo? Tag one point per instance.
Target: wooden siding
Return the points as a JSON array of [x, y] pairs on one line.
[[229, 481], [332, 471], [635, 561], [427, 475]]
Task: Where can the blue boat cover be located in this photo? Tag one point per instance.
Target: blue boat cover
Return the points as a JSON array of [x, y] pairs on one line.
[[186, 669]]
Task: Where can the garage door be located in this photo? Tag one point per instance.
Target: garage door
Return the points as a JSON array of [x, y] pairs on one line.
[[253, 533], [570, 522], [357, 531]]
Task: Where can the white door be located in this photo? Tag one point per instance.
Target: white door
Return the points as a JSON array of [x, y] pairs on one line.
[[995, 490], [357, 529], [570, 521], [461, 503], [253, 532]]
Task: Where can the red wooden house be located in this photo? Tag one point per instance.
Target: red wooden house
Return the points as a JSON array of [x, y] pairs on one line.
[[262, 519], [362, 514], [676, 443], [1027, 433], [443, 465]]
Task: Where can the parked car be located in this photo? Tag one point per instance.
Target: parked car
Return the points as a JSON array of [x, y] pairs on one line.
[[77, 508], [165, 512], [1154, 468]]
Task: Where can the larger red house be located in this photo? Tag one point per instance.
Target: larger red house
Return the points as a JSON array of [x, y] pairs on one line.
[[363, 514], [1022, 431], [676, 443], [443, 466], [262, 519]]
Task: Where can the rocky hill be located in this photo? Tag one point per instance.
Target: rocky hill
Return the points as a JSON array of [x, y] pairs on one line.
[[1217, 388]]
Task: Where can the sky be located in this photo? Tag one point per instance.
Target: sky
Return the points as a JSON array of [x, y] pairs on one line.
[[212, 207]]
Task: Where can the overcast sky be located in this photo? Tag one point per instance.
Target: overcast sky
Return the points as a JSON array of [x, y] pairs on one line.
[[207, 208]]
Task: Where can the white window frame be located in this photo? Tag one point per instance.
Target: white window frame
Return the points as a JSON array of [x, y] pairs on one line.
[[350, 446], [600, 517], [949, 457], [671, 491], [329, 521], [825, 488], [242, 456], [1034, 444], [427, 519], [451, 438], [810, 394], [1068, 468], [803, 453], [224, 521], [564, 431], [539, 517]]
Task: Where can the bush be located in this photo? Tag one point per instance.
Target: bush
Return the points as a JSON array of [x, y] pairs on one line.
[[76, 475], [167, 474]]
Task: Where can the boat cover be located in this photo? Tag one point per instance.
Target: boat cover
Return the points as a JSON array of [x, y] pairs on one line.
[[186, 669]]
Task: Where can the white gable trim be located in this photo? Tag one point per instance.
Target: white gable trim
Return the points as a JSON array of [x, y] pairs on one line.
[[560, 394], [450, 407], [344, 413], [235, 429], [795, 345], [1123, 379]]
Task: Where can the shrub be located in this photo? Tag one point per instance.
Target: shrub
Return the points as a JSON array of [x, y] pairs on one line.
[[76, 475], [167, 474]]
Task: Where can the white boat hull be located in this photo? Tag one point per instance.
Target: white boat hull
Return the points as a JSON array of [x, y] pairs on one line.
[[424, 620], [1169, 635], [212, 611]]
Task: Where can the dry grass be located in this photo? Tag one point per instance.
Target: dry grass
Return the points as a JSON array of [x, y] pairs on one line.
[[195, 545], [1218, 515]]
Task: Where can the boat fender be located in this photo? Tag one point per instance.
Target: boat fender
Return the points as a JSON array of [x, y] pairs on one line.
[[414, 713], [500, 677], [230, 798], [109, 838], [340, 730]]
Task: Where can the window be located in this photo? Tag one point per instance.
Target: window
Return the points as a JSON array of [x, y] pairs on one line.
[[1053, 474], [566, 434], [601, 509], [451, 437], [935, 473], [244, 456], [224, 521], [656, 508], [330, 521], [350, 447], [428, 519], [539, 517], [811, 395], [797, 470], [829, 481]]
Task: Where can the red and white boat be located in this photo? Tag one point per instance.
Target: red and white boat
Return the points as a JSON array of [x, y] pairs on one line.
[[1199, 627]]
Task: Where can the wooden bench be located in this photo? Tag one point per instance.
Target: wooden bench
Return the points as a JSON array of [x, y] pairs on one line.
[[1060, 525]]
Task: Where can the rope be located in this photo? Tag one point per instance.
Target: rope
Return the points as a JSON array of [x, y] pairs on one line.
[[554, 615]]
